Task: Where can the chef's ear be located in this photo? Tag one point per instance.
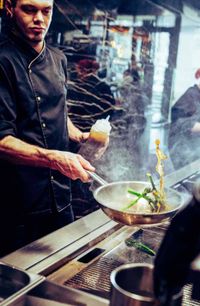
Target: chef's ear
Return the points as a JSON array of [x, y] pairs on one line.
[[9, 8]]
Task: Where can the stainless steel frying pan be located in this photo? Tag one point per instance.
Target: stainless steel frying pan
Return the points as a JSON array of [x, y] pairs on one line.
[[112, 197]]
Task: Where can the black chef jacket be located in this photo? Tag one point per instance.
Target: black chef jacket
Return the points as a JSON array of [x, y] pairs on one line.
[[33, 109]]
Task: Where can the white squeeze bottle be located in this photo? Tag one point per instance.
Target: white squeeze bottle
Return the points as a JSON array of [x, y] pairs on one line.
[[99, 134]]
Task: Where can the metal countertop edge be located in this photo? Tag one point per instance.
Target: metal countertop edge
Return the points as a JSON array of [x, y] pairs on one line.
[[40, 255]]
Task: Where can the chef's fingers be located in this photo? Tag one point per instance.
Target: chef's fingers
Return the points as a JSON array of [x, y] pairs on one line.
[[72, 165], [85, 136], [85, 163]]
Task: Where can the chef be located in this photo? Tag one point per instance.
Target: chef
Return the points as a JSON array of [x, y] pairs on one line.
[[35, 164]]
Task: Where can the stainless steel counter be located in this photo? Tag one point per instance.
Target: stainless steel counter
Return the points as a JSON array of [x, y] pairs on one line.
[[40, 255], [50, 294]]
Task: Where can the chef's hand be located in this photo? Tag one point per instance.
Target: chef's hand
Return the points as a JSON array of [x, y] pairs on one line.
[[19, 152], [83, 137], [72, 165], [75, 134]]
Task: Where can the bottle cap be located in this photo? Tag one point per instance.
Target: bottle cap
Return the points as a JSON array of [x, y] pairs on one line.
[[102, 125]]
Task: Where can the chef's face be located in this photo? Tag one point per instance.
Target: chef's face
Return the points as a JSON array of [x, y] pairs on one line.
[[33, 18]]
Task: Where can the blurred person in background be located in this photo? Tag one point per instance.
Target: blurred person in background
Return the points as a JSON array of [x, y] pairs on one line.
[[184, 132], [134, 70], [35, 163]]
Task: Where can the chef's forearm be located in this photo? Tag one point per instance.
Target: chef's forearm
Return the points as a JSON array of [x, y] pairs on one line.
[[69, 164], [20, 152]]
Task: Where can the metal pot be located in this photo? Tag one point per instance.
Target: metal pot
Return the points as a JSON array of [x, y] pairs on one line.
[[112, 197], [132, 285]]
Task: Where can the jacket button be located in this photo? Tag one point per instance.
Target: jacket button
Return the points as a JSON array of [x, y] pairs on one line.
[[38, 99], [43, 125]]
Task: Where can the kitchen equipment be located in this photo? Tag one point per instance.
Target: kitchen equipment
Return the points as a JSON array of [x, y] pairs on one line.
[[132, 284], [11, 281], [102, 243], [14, 281], [112, 197]]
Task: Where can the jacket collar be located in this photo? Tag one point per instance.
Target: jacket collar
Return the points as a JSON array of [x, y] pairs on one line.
[[22, 44]]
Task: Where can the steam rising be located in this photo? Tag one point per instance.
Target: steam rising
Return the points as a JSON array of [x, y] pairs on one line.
[[126, 156]]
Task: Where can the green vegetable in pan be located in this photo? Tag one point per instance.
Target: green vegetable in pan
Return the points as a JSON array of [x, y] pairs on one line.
[[153, 197]]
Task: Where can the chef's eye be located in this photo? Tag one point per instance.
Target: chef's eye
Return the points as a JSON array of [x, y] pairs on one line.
[[47, 11], [28, 9]]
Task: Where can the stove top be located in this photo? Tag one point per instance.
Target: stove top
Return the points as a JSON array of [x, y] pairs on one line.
[[95, 278]]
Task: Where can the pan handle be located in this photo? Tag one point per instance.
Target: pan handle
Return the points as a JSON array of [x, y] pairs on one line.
[[97, 178]]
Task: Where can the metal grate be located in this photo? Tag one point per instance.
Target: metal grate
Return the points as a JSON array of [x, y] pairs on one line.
[[95, 278]]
